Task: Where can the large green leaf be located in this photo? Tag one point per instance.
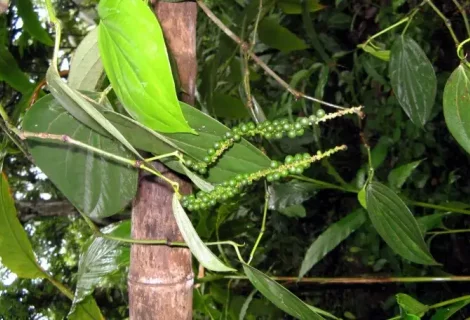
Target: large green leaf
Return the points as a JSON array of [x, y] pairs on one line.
[[329, 239], [411, 305], [97, 186], [295, 6], [134, 56], [87, 309], [396, 224], [16, 252], [11, 73], [398, 176], [243, 157], [102, 258], [226, 106], [195, 244], [456, 105], [86, 70], [272, 34], [31, 22], [413, 79], [280, 296]]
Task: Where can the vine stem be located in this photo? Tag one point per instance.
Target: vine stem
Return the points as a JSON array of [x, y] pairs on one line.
[[263, 224], [23, 135], [452, 231], [363, 280], [446, 21], [378, 34], [447, 302], [245, 47], [464, 16]]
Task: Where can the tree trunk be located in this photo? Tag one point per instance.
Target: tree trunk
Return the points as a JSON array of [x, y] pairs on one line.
[[160, 277]]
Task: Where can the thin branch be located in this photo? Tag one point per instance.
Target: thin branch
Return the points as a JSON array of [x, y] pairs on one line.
[[246, 48], [446, 22], [464, 16], [360, 280]]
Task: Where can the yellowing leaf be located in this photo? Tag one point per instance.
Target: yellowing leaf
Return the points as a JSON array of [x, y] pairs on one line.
[[136, 61]]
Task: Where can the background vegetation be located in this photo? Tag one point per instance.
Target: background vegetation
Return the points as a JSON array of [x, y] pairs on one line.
[[315, 48]]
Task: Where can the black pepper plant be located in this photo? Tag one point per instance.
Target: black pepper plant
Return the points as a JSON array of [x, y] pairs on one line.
[[88, 138]]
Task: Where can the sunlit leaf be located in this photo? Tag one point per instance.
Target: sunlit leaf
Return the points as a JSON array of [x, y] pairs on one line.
[[274, 35], [331, 238], [16, 252], [31, 22], [411, 305], [136, 61], [280, 296], [96, 185], [11, 73], [456, 102], [381, 54], [86, 70], [396, 224], [413, 79], [398, 176], [195, 244]]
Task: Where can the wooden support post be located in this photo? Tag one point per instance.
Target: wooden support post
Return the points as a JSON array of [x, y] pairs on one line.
[[161, 278]]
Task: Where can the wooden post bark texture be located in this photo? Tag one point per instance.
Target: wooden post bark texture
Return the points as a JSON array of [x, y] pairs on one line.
[[161, 278]]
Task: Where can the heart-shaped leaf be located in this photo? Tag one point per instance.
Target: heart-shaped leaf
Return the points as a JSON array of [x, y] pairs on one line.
[[87, 71], [16, 252], [97, 186], [195, 244], [413, 79], [396, 224], [456, 102], [136, 61], [280, 296], [329, 239]]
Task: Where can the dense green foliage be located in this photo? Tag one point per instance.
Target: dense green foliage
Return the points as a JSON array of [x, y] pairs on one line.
[[392, 209]]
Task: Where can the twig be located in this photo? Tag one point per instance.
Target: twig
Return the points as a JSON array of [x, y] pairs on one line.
[[446, 22], [464, 16], [360, 280], [246, 48], [263, 224]]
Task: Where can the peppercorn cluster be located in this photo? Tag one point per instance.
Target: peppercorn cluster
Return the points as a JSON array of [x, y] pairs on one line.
[[292, 165], [276, 129]]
